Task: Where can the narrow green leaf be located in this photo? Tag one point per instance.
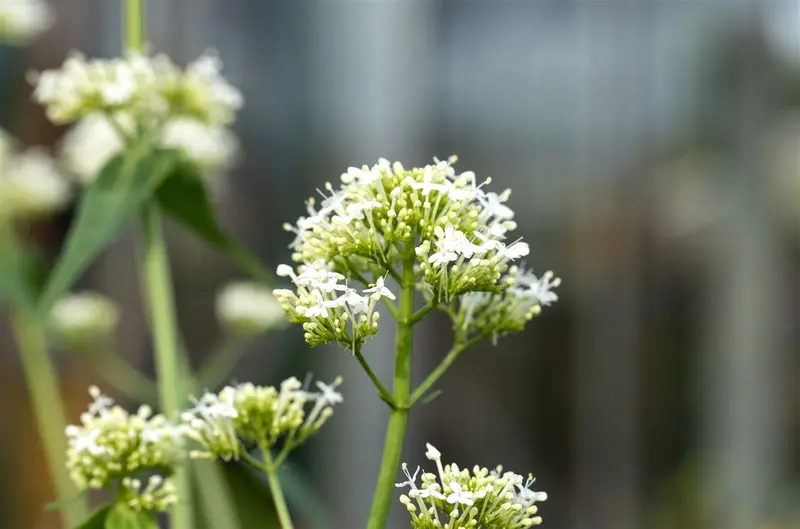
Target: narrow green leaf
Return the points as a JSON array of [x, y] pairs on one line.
[[121, 188], [183, 196], [97, 520], [60, 504], [121, 517]]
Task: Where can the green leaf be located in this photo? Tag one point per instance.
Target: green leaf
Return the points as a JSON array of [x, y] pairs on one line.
[[97, 520], [125, 183], [60, 504], [121, 517], [183, 196]]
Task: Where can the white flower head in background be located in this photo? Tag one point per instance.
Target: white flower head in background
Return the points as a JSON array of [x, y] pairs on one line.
[[480, 498], [150, 89], [93, 141], [23, 20], [249, 309], [84, 319], [31, 186]]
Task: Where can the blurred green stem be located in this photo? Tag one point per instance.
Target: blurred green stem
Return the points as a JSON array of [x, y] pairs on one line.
[[165, 335], [124, 377], [271, 472], [48, 409], [396, 430]]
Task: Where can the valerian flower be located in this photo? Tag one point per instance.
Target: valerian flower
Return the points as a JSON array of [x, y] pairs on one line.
[[479, 499], [148, 89], [249, 309], [456, 231], [84, 319], [23, 20], [113, 447], [227, 423], [31, 186]]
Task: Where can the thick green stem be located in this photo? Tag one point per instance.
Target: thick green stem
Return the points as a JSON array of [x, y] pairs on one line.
[[271, 471], [50, 418], [396, 430], [165, 336], [133, 20]]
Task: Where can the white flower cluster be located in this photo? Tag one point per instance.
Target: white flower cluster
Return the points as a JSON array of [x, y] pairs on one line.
[[83, 319], [249, 309], [93, 141], [481, 499], [31, 186], [522, 297], [329, 310], [227, 423], [23, 20], [112, 446], [458, 231], [147, 89]]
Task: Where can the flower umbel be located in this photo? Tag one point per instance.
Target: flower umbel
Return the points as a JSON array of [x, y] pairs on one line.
[[23, 20], [84, 319], [480, 499], [248, 309], [240, 417], [111, 446]]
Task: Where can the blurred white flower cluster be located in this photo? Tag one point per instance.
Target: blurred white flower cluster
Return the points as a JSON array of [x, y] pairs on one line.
[[480, 499], [23, 20], [31, 186], [329, 310], [115, 100], [113, 447], [458, 231], [248, 309], [227, 423], [84, 319]]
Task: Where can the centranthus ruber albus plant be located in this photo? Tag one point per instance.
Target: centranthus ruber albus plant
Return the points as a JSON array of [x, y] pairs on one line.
[[149, 138]]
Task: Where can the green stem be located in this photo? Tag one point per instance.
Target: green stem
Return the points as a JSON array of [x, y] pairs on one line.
[[437, 373], [134, 24], [168, 363], [271, 472], [382, 391], [50, 417], [398, 419]]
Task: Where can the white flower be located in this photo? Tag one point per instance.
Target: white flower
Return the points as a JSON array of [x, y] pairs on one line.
[[411, 481], [432, 453], [89, 145], [31, 186], [378, 290], [84, 319], [207, 95], [249, 309], [329, 396], [460, 496], [212, 147], [22, 20]]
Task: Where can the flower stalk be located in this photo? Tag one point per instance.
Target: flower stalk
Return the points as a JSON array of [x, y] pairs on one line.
[[398, 419], [51, 421], [271, 471]]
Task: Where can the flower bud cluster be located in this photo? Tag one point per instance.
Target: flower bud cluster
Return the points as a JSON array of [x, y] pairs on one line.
[[112, 446], [23, 20], [460, 498], [31, 187], [329, 310], [147, 89], [225, 424], [520, 298], [84, 319], [249, 309]]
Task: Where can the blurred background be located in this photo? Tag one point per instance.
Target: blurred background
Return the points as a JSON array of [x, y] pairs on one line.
[[654, 152]]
